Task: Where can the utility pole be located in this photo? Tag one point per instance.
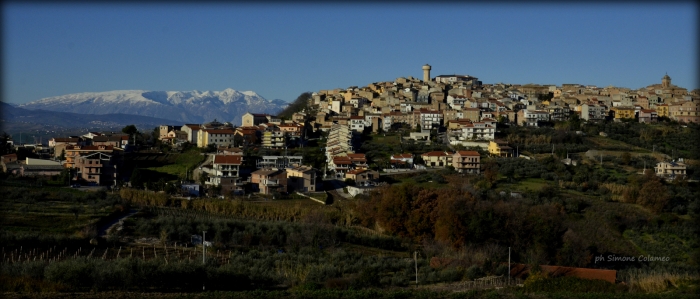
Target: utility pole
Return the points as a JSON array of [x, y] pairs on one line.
[[508, 265], [204, 233], [415, 259]]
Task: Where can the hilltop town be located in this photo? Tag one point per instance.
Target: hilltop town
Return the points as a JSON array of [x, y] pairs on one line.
[[433, 180], [457, 117]]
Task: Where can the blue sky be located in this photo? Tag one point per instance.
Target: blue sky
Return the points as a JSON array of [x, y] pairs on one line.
[[280, 51]]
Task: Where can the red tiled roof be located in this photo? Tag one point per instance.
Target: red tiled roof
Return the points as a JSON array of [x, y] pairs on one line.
[[468, 153], [228, 159], [341, 161], [356, 171], [405, 156], [437, 154]]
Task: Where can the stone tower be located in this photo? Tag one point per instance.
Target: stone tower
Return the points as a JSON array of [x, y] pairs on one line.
[[426, 73], [666, 81]]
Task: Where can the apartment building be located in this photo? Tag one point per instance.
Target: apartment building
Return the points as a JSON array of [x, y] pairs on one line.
[[97, 168], [302, 179], [593, 112], [684, 111], [224, 166], [467, 162], [268, 181], [218, 137]]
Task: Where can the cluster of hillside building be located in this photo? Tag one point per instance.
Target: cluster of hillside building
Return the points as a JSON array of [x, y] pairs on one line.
[[460, 106]]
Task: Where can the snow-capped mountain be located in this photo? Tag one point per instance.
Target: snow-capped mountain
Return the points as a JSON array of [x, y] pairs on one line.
[[184, 106]]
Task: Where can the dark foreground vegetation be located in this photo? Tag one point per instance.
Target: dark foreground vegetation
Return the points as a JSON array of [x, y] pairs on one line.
[[57, 241]]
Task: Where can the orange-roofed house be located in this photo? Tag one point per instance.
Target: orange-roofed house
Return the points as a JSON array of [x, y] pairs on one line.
[[402, 160], [359, 161], [340, 165], [437, 158], [224, 166], [467, 162]]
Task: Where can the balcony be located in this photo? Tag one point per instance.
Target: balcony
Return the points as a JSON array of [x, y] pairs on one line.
[[271, 183]]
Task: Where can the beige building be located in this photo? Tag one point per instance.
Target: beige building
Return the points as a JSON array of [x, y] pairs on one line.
[[437, 158], [254, 119], [192, 131], [686, 111], [467, 162], [97, 168], [670, 169], [302, 179], [269, 181], [218, 137]]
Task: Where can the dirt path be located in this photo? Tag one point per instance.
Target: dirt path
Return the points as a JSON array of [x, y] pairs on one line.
[[103, 230]]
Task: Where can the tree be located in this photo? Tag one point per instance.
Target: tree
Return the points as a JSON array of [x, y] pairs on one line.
[[136, 178], [130, 129], [76, 210], [625, 158], [5, 146], [653, 195], [301, 103]]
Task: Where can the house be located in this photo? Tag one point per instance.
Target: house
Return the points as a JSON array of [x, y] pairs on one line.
[[359, 161], [621, 112], [302, 179], [190, 189], [164, 129], [279, 161], [250, 135], [478, 131], [224, 166], [500, 148], [357, 123], [662, 110], [670, 169], [176, 137], [192, 131], [402, 160], [467, 162], [8, 158], [648, 116], [437, 158], [233, 185], [68, 141], [97, 168], [362, 177], [532, 118], [268, 181]]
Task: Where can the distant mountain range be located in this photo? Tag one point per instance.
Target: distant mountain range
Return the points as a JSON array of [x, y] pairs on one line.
[[167, 107], [14, 116]]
